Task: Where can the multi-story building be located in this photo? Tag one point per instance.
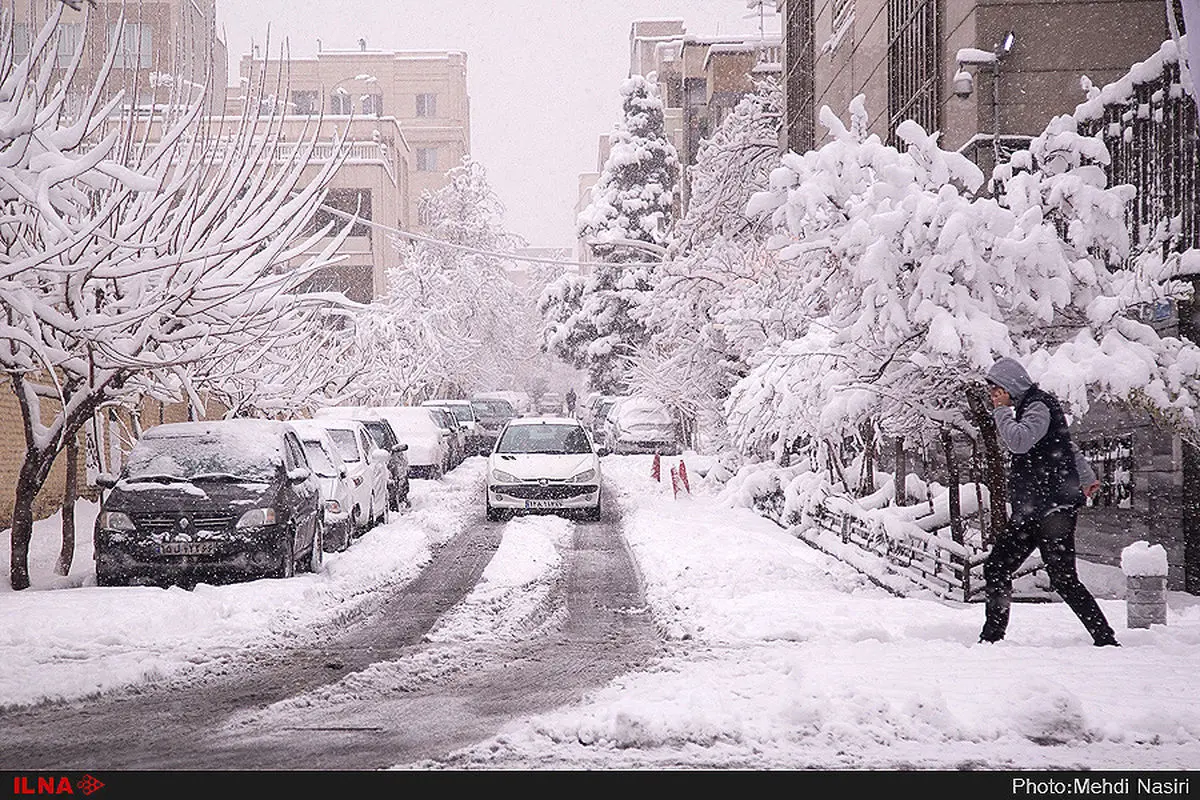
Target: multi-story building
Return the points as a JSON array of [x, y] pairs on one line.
[[700, 80], [408, 115], [162, 47], [988, 74]]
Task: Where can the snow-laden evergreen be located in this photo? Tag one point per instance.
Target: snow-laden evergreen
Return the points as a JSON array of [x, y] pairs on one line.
[[590, 320], [694, 353]]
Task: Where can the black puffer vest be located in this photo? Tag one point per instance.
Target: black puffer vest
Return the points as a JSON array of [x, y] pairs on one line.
[[1044, 478]]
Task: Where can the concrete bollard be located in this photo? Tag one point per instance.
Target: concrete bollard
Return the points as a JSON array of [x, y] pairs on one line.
[[1145, 569]]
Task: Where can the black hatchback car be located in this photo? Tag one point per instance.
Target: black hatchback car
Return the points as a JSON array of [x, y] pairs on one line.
[[212, 502]]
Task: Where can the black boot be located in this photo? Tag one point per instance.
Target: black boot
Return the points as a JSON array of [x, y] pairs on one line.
[[996, 622]]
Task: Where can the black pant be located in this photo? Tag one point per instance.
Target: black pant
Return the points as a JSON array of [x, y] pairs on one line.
[[1054, 536]]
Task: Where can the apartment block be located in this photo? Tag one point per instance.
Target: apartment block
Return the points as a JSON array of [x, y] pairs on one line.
[[988, 74], [164, 49], [408, 115]]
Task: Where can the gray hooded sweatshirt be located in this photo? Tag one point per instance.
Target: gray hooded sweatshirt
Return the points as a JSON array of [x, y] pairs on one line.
[[1019, 436]]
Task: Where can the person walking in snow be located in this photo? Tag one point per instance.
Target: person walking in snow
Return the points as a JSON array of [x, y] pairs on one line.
[[571, 402], [1047, 483]]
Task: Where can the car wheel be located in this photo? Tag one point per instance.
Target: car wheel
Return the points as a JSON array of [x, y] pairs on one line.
[[493, 514], [594, 512], [317, 556], [287, 562]]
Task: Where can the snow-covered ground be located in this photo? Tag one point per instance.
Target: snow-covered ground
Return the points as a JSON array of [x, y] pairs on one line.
[[781, 656]]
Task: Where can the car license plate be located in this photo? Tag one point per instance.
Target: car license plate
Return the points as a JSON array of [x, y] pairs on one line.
[[187, 548], [543, 504]]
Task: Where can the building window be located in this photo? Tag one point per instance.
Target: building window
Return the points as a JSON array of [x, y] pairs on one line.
[[427, 159], [912, 64], [20, 40], [339, 103], [427, 105], [338, 203], [304, 102], [372, 104], [1112, 459], [135, 46], [69, 39], [799, 57]]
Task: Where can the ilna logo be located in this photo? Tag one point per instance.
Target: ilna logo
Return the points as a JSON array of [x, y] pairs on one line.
[[51, 784]]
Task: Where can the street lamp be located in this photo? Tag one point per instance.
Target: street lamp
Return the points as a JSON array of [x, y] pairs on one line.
[[964, 82]]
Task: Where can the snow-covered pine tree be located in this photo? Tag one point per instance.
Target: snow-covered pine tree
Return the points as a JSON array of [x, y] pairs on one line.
[[589, 320]]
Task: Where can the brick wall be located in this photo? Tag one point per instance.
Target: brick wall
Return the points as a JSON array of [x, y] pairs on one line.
[[12, 453], [117, 432]]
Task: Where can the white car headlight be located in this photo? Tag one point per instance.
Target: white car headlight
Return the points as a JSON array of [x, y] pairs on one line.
[[116, 521], [257, 518], [503, 477], [583, 477]]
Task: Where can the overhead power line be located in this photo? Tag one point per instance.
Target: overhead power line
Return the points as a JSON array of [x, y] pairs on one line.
[[465, 248]]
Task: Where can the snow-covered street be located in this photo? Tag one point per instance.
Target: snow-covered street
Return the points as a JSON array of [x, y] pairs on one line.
[[780, 656]]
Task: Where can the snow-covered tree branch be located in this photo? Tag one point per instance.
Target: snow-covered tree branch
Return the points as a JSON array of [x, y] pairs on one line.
[[133, 250]]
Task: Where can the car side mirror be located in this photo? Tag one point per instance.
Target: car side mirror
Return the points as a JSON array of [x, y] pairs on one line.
[[105, 480], [299, 474], [400, 448]]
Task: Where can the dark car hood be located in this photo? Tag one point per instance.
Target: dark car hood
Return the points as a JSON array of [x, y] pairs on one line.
[[183, 496]]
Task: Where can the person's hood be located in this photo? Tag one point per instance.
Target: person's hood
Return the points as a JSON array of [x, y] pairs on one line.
[[1010, 376]]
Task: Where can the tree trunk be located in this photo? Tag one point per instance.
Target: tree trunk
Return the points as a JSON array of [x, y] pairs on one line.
[[866, 483], [22, 522], [900, 482], [952, 482], [995, 475], [67, 554]]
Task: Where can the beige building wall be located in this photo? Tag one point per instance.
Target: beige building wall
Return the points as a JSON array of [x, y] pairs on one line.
[[418, 95], [167, 45]]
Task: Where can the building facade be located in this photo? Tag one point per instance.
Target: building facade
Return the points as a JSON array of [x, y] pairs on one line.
[[988, 74], [164, 49], [408, 116]]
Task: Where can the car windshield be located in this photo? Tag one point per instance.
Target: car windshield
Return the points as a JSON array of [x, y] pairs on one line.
[[493, 408], [319, 459], [462, 413], [381, 433], [184, 458], [346, 444], [544, 439]]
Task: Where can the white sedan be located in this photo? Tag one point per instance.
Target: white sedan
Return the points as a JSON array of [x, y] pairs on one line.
[[543, 464]]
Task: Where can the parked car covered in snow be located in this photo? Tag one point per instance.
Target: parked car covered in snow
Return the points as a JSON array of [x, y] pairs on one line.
[[641, 425], [492, 413], [464, 414], [337, 489], [365, 465], [381, 431], [210, 501], [427, 442], [456, 437]]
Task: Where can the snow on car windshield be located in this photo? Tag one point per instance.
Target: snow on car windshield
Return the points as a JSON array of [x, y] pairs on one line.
[[544, 439], [346, 443], [318, 459], [209, 454], [493, 408]]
